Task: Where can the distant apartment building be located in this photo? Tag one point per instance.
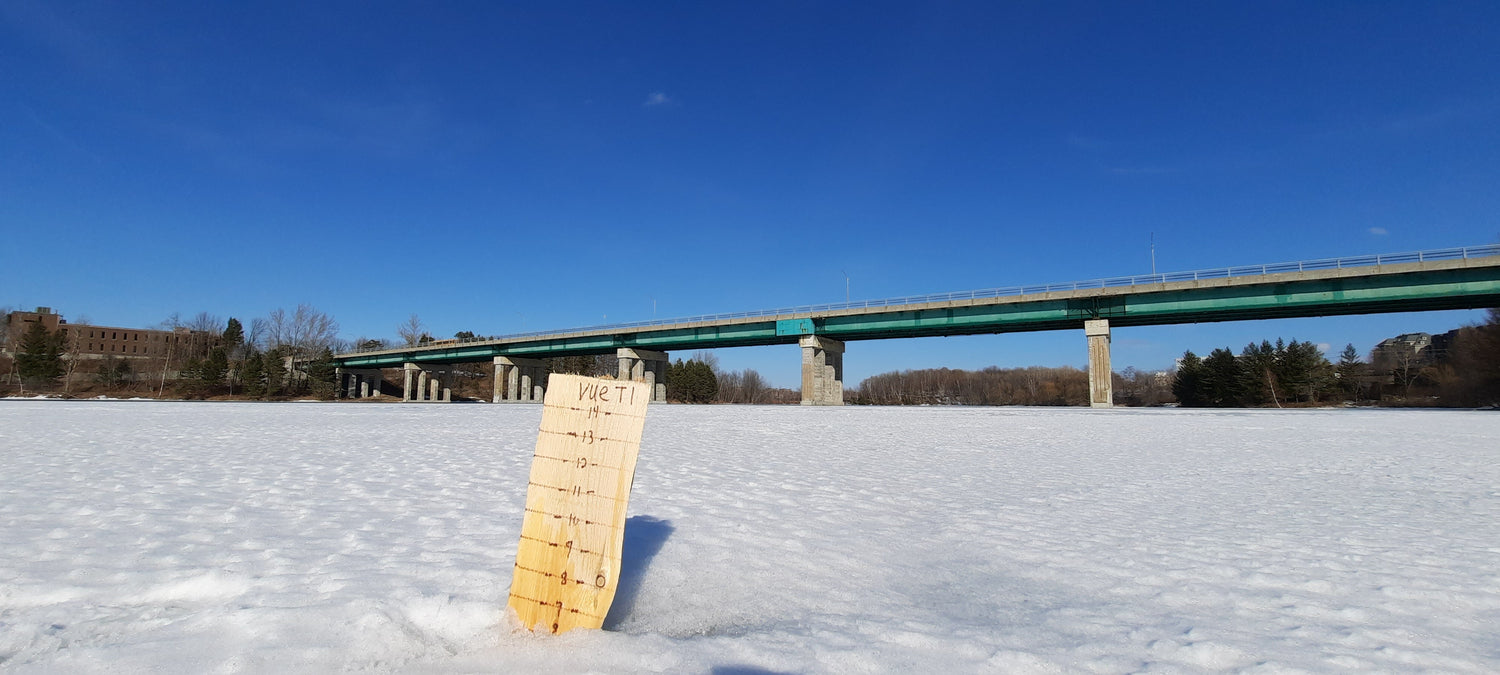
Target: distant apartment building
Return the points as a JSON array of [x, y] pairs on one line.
[[89, 342], [1423, 347], [1409, 343]]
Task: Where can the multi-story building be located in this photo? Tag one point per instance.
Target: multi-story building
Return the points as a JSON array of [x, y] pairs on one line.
[[89, 342]]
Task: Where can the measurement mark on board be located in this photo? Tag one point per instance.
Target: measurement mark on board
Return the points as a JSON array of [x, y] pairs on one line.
[[576, 491], [567, 545], [573, 519], [588, 437], [581, 461], [593, 412]]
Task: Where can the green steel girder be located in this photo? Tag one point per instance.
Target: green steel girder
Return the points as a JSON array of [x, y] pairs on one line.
[[1460, 288]]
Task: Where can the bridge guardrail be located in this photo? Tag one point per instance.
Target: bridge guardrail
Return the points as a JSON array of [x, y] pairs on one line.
[[1460, 253]]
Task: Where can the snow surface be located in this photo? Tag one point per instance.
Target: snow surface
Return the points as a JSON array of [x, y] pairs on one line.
[[237, 537]]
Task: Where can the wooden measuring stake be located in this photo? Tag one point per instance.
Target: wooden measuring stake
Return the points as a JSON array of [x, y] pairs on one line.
[[568, 561]]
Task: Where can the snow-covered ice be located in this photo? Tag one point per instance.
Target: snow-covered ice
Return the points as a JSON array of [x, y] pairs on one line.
[[238, 537]]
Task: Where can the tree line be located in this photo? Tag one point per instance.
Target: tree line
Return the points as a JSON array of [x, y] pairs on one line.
[[1460, 368], [1035, 385], [1262, 374], [698, 379], [215, 357]]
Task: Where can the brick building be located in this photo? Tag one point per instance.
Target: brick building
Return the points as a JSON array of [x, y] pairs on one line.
[[91, 343]]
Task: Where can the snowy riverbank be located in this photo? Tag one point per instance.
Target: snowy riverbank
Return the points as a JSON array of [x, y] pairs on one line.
[[211, 537]]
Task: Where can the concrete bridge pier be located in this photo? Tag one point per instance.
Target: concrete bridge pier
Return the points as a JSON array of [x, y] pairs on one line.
[[518, 379], [822, 371], [359, 383], [421, 384], [644, 365], [409, 380], [1101, 377]]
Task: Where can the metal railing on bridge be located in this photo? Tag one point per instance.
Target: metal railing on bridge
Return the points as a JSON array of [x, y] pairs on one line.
[[1460, 253]]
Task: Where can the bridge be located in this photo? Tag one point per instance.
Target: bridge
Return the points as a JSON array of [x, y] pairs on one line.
[[1453, 278]]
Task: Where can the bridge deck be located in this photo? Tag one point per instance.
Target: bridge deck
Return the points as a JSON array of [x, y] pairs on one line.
[[1470, 281]]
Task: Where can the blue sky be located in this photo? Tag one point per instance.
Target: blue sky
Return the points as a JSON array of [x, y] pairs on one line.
[[504, 166]]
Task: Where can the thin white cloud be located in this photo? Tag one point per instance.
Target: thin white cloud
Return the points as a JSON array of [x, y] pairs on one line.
[[1378, 231], [657, 98]]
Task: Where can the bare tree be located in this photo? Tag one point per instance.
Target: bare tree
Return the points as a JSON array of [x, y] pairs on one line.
[[1401, 361], [256, 335], [753, 386], [707, 357], [5, 329], [6, 341], [72, 350], [303, 333], [206, 323], [206, 329], [411, 331], [172, 323]]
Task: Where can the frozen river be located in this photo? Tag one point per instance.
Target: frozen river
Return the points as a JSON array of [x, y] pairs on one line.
[[223, 537]]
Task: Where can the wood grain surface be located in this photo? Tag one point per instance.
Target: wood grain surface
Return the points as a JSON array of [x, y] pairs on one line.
[[568, 560]]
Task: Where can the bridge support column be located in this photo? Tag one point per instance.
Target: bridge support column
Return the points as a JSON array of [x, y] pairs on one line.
[[408, 372], [423, 385], [498, 390], [644, 365], [356, 383], [363, 383], [822, 371], [518, 379], [1101, 377]]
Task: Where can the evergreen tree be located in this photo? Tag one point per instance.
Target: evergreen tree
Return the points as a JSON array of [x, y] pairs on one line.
[[1304, 372], [39, 356], [1222, 379], [322, 375], [1187, 385], [211, 372], [234, 336], [190, 376], [1258, 373], [691, 382], [253, 374], [1351, 372], [274, 361], [234, 351]]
